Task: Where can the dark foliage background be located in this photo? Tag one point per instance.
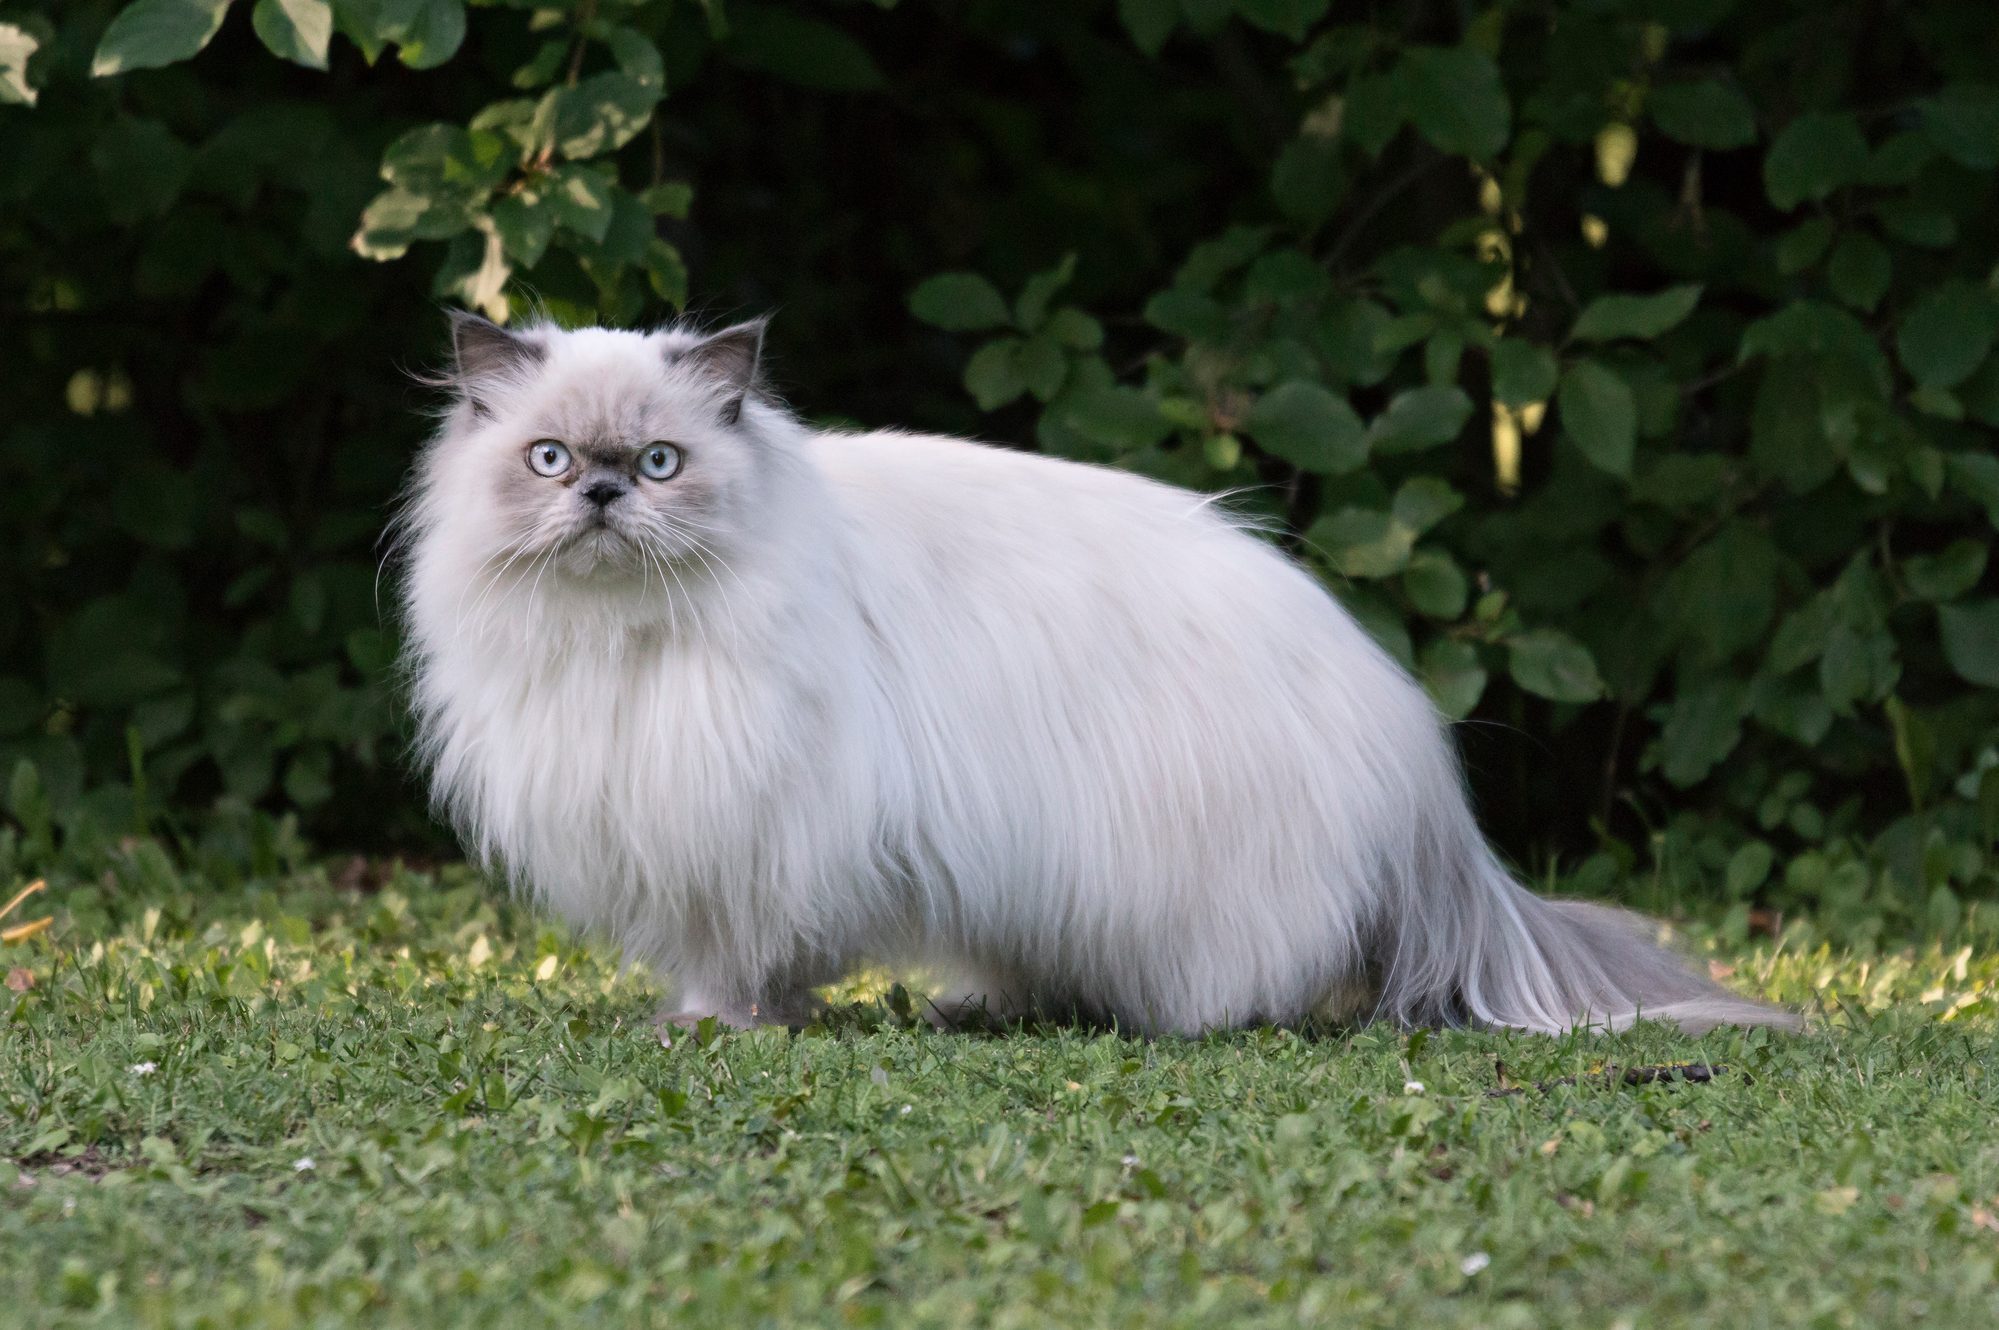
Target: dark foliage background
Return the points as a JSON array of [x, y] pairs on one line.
[[1625, 365]]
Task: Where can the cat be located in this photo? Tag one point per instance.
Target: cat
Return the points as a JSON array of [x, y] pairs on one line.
[[763, 703]]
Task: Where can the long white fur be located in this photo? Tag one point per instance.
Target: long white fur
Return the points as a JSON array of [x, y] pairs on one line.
[[1070, 734]]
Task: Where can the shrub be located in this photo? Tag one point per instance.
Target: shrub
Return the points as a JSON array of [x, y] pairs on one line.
[[1625, 366]]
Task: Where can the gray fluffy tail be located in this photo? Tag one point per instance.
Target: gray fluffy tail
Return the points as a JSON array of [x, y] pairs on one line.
[[1482, 949]]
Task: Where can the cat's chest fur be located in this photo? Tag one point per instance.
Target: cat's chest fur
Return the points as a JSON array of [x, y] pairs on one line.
[[643, 781]]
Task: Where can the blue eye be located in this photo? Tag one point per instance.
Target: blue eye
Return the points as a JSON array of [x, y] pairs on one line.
[[659, 461], [546, 457]]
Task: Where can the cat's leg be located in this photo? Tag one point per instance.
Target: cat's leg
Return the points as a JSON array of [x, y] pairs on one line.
[[787, 999], [695, 1005]]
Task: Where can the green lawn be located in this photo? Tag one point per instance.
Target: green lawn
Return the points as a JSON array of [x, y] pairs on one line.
[[416, 1108]]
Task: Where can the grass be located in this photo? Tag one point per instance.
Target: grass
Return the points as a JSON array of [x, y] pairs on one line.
[[416, 1107]]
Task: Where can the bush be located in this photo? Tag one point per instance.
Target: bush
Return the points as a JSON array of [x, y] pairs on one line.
[[1626, 366]]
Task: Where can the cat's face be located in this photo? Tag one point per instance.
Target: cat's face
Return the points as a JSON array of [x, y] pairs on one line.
[[596, 453]]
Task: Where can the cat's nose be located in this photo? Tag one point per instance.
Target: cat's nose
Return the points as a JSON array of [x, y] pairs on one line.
[[601, 492]]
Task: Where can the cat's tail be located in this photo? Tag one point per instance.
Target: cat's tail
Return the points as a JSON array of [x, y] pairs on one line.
[[1474, 946]]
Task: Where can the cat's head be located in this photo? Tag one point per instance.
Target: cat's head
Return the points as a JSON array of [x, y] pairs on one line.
[[597, 453]]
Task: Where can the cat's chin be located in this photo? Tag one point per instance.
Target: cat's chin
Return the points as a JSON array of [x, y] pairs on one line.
[[600, 551]]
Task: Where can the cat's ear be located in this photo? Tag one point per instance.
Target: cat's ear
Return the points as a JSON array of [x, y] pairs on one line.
[[484, 354], [730, 357]]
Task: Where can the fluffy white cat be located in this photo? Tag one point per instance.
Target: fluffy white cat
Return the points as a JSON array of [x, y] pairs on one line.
[[763, 703]]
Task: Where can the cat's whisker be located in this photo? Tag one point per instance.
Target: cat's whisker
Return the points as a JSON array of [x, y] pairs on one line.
[[491, 581], [702, 552]]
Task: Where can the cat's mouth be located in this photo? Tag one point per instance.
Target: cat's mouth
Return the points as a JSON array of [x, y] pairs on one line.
[[596, 544]]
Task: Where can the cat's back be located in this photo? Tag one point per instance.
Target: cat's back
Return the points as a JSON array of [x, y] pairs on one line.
[[946, 499], [991, 552]]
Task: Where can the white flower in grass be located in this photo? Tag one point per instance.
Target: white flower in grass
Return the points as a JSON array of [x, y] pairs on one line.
[[303, 1164], [143, 1068], [1412, 1087], [1474, 1263]]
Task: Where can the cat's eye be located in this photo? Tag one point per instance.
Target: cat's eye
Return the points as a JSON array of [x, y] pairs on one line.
[[659, 461], [546, 457]]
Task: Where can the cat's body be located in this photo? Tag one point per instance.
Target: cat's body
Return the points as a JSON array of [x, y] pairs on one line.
[[1069, 734]]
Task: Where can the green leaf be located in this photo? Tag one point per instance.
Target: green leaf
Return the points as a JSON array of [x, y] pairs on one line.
[[1286, 18], [1748, 868], [1971, 640], [1188, 314], [371, 24], [1363, 542], [1435, 585], [1705, 114], [1803, 245], [1948, 333], [1207, 17], [1786, 437], [807, 51], [666, 272], [1455, 97], [1915, 748], [141, 168], [671, 199], [601, 114], [150, 33], [526, 226], [1860, 270], [958, 302], [1522, 372], [445, 159], [1424, 501], [581, 197], [1043, 366], [1818, 328], [1812, 156], [1309, 427], [1947, 574], [637, 57], [17, 47], [1976, 476], [1702, 727], [1858, 665], [1420, 418], [1031, 310], [1374, 112], [1609, 317], [1802, 636], [1963, 121], [1308, 180], [1723, 594], [1599, 415], [992, 374], [1121, 417], [1683, 481], [433, 35], [1453, 676], [295, 30], [1074, 329], [1211, 260], [1553, 665], [1150, 22], [1917, 223]]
